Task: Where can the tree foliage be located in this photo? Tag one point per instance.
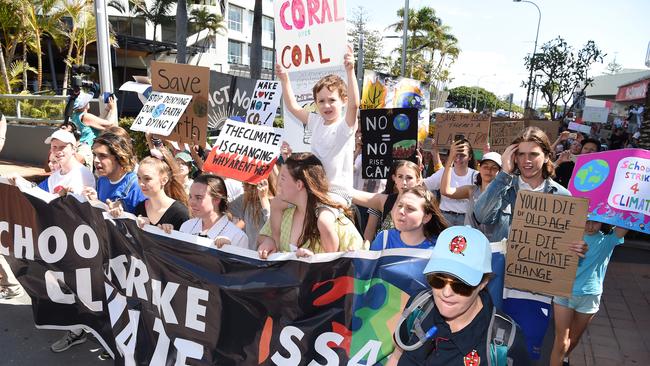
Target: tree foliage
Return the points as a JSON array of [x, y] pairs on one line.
[[471, 97], [373, 58], [563, 73]]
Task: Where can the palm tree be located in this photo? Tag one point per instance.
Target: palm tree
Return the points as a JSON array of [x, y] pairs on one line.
[[10, 31], [256, 42], [156, 14], [202, 20], [41, 19]]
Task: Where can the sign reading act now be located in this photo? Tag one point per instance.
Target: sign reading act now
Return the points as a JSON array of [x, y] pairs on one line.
[[543, 228]]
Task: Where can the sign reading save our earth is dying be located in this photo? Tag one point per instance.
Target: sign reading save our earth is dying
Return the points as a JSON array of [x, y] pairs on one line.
[[387, 134], [543, 228], [161, 113], [308, 33]]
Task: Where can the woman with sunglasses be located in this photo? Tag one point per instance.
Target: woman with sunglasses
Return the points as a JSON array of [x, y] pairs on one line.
[[489, 167], [457, 323]]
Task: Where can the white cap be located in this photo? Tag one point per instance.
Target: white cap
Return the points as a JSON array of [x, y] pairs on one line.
[[62, 135], [492, 156]]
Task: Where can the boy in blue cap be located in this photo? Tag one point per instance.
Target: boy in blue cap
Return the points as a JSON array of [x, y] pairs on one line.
[[456, 322]]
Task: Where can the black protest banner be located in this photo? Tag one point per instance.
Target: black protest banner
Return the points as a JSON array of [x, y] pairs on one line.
[[230, 96], [155, 299], [538, 256], [387, 134]]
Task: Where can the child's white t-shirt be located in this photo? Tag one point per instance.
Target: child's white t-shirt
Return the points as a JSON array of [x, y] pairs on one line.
[[333, 145], [77, 178]]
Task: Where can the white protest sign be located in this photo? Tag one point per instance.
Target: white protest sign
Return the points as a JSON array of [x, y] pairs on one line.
[[265, 103], [595, 114], [161, 113], [579, 127], [310, 34]]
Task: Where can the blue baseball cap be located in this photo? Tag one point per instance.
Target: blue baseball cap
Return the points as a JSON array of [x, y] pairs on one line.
[[462, 252], [82, 100]]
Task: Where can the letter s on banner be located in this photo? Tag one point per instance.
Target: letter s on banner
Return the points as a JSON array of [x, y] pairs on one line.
[[285, 340]]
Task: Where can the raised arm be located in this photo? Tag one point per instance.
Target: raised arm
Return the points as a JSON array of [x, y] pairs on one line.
[[288, 97], [370, 200], [353, 89], [489, 204], [445, 183]]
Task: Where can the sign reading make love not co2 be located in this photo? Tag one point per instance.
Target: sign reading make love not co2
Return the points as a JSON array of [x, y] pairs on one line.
[[617, 184], [310, 34], [265, 103]]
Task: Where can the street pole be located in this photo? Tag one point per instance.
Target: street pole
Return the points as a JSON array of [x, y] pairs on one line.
[[360, 63], [532, 58], [103, 52], [405, 35]]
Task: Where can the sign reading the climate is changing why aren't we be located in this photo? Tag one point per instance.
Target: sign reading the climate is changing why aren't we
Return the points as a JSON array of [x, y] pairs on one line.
[[161, 113], [310, 34]]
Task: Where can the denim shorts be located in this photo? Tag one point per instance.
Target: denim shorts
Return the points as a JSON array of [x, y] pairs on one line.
[[586, 304]]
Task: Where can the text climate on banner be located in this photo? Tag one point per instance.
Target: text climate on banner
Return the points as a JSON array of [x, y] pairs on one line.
[[474, 127], [160, 113], [264, 103], [308, 33], [187, 80], [617, 183], [162, 300], [244, 152], [388, 134], [543, 227]]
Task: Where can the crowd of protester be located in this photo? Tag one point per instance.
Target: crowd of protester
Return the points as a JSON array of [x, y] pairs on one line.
[[315, 203]]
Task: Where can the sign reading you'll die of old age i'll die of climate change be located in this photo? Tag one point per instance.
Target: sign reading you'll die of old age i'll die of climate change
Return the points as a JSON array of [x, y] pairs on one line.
[[543, 228]]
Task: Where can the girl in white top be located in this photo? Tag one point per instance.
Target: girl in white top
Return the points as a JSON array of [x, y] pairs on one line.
[[463, 174], [209, 205]]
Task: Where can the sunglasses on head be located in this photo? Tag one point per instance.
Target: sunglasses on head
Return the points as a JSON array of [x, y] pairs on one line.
[[439, 282]]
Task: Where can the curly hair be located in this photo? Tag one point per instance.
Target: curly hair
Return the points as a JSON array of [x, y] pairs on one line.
[[536, 135], [438, 223], [308, 169], [119, 147], [332, 83]]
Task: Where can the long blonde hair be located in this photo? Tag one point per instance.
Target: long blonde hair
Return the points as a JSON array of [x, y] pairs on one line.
[[251, 200], [167, 166]]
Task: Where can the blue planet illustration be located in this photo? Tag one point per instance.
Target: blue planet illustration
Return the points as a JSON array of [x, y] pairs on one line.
[[158, 110], [591, 175], [401, 122], [409, 100]]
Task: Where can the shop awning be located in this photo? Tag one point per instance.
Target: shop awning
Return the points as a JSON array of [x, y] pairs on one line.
[[633, 92]]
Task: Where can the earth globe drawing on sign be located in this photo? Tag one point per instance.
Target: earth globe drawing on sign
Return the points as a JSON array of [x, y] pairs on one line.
[[158, 110], [409, 99], [401, 122], [592, 175]]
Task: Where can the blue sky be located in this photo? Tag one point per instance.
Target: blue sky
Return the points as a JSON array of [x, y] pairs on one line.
[[495, 35]]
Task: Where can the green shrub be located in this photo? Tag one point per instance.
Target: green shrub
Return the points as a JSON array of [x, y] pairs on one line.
[[139, 142]]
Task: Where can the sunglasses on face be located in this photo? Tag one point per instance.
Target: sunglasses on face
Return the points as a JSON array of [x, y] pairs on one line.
[[439, 282]]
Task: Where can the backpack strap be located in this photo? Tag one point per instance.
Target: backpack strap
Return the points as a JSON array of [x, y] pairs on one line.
[[501, 336], [385, 234]]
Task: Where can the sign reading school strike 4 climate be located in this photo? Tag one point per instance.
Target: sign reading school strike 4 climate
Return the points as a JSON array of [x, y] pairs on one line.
[[310, 34], [244, 152], [161, 113], [543, 227], [617, 184]]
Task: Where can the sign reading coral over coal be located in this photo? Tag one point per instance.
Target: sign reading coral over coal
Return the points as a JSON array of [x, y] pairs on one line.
[[161, 113], [474, 127], [544, 226], [308, 33], [387, 134], [244, 152]]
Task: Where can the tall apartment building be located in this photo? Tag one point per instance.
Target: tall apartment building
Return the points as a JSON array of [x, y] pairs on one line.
[[228, 52]]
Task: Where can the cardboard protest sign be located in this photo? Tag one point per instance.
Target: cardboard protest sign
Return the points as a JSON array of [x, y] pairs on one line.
[[502, 133], [161, 113], [387, 135], [550, 128], [229, 96], [386, 91], [187, 80], [474, 127], [310, 34], [538, 258], [265, 103], [579, 127], [302, 82], [617, 184], [244, 152]]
